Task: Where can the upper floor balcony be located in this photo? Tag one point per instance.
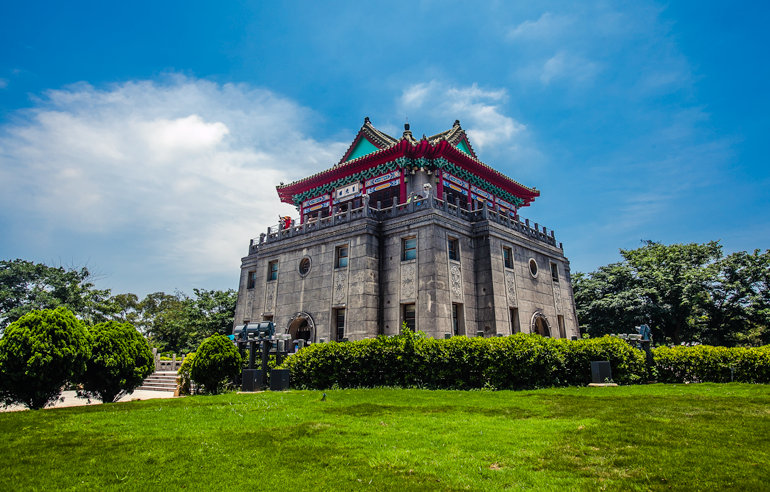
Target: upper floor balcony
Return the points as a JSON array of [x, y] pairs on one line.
[[376, 212]]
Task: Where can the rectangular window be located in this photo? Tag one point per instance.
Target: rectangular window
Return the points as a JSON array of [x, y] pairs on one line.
[[251, 279], [515, 326], [554, 272], [456, 319], [342, 257], [508, 258], [272, 270], [453, 246], [385, 197], [267, 318], [562, 331], [409, 247], [339, 323], [409, 316]]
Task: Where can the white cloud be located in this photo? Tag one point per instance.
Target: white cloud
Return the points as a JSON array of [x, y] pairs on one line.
[[186, 167], [477, 108], [568, 66], [546, 27], [3, 83]]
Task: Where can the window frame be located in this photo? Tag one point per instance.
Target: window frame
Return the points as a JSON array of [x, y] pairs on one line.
[[555, 272], [408, 251], [272, 273], [251, 279], [339, 333], [339, 259], [405, 319], [453, 241], [508, 262]]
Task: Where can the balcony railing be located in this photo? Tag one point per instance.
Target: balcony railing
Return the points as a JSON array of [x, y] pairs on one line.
[[377, 212]]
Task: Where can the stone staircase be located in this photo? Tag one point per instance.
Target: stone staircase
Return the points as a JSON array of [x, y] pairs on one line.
[[160, 381]]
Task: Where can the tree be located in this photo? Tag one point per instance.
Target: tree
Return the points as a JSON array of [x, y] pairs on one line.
[[737, 311], [216, 362], [26, 286], [39, 353], [120, 361], [610, 300], [179, 323], [676, 281]]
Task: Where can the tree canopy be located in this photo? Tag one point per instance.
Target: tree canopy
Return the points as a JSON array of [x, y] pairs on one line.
[[685, 292]]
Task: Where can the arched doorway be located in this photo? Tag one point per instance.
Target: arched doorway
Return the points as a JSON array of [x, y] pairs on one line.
[[301, 326], [540, 325]]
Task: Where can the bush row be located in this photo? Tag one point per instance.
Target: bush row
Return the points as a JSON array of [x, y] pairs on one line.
[[703, 363], [515, 362]]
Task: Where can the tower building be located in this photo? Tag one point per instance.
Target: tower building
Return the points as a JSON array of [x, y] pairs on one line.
[[407, 232]]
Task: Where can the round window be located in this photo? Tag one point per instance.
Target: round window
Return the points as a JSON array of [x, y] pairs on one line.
[[304, 266], [533, 267]]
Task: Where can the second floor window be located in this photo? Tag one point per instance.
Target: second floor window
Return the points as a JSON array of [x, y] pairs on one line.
[[453, 247], [507, 257], [342, 257], [554, 272], [409, 248], [251, 279], [272, 271]]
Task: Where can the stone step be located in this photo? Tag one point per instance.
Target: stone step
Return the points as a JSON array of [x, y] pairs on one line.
[[154, 387]]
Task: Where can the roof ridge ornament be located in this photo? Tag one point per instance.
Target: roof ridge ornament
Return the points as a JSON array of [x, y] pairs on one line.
[[457, 123]]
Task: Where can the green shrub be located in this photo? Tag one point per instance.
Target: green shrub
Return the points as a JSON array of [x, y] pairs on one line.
[[216, 363], [627, 363], [704, 363], [183, 380], [515, 362], [39, 353], [120, 361]]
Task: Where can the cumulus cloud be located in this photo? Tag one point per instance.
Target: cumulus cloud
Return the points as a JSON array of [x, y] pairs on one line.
[[565, 65], [184, 169], [479, 110]]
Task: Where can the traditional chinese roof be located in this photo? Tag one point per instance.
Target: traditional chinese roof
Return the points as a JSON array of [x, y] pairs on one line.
[[373, 150]]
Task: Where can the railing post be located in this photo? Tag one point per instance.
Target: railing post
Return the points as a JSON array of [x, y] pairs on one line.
[[366, 206], [485, 211]]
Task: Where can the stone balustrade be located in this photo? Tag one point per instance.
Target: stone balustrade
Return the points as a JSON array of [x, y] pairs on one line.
[[413, 205]]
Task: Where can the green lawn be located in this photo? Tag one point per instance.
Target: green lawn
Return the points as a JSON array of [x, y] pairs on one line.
[[661, 437]]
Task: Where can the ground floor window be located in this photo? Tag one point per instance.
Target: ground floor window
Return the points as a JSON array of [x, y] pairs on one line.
[[409, 313], [515, 324], [457, 319], [562, 330], [339, 323]]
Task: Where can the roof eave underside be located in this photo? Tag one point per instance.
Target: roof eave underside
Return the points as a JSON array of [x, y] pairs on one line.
[[405, 148]]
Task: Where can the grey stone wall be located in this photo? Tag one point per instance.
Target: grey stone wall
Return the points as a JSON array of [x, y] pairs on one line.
[[374, 287]]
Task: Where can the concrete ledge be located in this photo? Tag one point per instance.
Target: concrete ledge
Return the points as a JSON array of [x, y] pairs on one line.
[[601, 385]]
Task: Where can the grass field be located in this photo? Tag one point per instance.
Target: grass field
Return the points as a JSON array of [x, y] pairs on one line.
[[660, 437]]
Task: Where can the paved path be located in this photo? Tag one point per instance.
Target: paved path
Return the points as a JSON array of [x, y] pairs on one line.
[[71, 401]]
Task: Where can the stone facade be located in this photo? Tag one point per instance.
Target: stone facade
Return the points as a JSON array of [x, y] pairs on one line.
[[376, 286]]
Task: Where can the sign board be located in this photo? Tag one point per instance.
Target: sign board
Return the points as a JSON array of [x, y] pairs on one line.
[[382, 180], [347, 192]]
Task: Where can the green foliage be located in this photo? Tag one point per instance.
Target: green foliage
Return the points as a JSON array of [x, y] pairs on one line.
[[178, 323], [39, 353], [216, 363], [26, 286], [120, 361], [516, 362], [184, 380], [703, 363], [684, 292]]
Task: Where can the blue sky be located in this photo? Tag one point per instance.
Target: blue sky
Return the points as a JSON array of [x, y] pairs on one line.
[[146, 139]]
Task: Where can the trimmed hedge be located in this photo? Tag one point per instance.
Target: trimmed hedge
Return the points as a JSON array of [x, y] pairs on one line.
[[216, 363], [703, 363], [516, 362]]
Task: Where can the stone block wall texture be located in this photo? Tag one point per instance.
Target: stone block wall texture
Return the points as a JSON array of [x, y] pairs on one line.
[[376, 283]]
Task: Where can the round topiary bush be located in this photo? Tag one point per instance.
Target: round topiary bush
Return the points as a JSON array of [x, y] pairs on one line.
[[39, 353], [120, 361], [216, 363]]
